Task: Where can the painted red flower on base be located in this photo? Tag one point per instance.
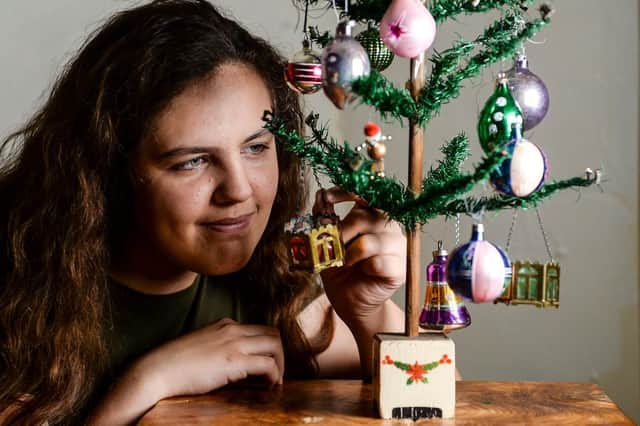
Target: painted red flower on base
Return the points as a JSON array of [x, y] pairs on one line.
[[416, 372]]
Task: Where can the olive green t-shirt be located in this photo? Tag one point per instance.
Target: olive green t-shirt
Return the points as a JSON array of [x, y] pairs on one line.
[[140, 322]]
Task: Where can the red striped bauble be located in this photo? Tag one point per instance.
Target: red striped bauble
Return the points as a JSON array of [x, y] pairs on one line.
[[304, 72]]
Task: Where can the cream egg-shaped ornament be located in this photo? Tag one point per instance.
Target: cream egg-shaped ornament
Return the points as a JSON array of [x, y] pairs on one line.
[[407, 28], [524, 172]]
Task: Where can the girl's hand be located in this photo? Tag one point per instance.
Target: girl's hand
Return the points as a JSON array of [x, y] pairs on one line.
[[216, 355], [375, 264], [195, 363]]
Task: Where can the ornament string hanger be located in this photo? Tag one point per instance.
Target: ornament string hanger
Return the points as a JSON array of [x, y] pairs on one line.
[[476, 216], [520, 26], [306, 20], [545, 235], [335, 9]]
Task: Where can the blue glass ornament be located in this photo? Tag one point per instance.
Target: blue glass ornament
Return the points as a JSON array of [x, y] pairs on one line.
[[478, 270]]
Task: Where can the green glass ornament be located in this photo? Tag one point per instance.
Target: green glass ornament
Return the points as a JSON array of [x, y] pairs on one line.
[[499, 114], [379, 54]]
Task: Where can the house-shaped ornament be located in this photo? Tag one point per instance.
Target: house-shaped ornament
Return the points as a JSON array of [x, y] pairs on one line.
[[533, 283], [315, 243]]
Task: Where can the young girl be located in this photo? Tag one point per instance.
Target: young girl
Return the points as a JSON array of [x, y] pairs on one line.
[[143, 251]]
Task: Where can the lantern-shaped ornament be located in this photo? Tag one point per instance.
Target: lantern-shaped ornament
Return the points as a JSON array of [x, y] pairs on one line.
[[304, 71], [533, 283], [315, 243], [343, 61], [443, 310], [478, 270], [499, 114], [524, 172]]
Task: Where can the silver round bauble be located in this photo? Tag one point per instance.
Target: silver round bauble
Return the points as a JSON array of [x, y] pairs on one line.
[[529, 91], [343, 61]]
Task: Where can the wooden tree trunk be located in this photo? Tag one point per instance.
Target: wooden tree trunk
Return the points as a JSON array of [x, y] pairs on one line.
[[414, 268]]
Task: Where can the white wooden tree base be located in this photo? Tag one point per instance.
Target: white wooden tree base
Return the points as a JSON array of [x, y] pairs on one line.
[[414, 377]]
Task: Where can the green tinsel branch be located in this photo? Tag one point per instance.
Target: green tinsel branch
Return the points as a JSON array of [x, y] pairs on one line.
[[333, 160], [321, 39], [441, 10], [444, 186], [367, 10], [499, 43], [377, 91], [454, 153], [447, 75], [430, 202], [473, 205]]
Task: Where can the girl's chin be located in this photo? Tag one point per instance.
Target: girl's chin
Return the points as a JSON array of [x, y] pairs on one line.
[[228, 263]]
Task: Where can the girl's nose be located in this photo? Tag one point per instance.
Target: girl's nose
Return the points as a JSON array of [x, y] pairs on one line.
[[234, 185]]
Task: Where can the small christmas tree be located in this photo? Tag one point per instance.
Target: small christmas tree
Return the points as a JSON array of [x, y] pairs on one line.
[[516, 168]]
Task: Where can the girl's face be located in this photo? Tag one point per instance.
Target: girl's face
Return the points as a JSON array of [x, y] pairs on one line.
[[207, 176]]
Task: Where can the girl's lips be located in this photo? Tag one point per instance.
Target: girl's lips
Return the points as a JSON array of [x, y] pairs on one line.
[[231, 225]]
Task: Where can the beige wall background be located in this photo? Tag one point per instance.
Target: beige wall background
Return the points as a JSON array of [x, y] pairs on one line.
[[588, 58]]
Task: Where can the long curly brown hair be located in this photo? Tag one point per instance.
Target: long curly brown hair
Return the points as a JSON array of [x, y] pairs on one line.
[[65, 198]]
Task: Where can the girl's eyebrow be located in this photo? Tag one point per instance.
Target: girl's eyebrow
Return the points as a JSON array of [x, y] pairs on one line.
[[190, 150], [256, 135]]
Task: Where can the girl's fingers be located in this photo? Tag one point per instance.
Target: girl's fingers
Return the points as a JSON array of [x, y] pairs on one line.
[[236, 330], [370, 245], [325, 199], [255, 365], [366, 221], [269, 346], [336, 195], [390, 266]]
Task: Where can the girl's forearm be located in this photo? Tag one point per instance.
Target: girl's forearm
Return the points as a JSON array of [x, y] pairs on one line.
[[388, 318], [130, 398]]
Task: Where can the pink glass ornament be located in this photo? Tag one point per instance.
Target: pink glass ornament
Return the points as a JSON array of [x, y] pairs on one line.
[[478, 270], [407, 28]]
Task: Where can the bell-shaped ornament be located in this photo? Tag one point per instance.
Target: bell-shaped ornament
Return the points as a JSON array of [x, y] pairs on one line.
[[443, 309], [343, 61]]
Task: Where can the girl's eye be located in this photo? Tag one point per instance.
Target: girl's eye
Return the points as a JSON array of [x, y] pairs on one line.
[[191, 164], [257, 148]]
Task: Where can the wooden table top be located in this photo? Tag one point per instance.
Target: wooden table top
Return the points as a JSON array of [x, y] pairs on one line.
[[350, 402]]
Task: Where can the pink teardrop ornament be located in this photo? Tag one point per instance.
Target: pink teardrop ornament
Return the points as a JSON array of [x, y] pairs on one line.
[[407, 28]]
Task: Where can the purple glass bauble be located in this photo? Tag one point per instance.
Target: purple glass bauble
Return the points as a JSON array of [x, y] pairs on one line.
[[529, 91], [524, 172], [478, 270], [443, 310]]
